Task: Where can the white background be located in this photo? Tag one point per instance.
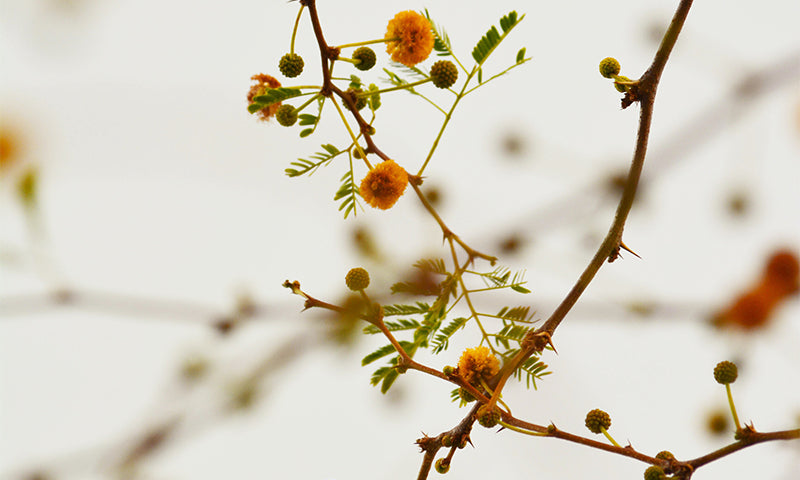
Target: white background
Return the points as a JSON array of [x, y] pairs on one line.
[[156, 183]]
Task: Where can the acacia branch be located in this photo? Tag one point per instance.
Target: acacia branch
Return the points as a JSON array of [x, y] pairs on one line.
[[642, 91], [684, 469], [749, 439]]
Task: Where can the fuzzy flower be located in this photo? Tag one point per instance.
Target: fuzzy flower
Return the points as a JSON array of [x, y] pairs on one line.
[[384, 185], [263, 82], [411, 38], [476, 363]]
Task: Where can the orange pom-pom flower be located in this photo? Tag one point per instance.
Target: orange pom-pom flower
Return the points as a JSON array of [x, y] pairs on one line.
[[384, 185], [409, 38]]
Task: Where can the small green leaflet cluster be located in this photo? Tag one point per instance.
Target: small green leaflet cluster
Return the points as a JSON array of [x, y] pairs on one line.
[[305, 166], [492, 39], [347, 193], [271, 96], [433, 332]]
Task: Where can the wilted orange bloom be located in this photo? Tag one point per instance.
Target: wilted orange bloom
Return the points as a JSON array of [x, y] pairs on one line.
[[9, 147], [476, 363], [384, 185], [263, 82], [411, 38], [783, 270], [753, 308]]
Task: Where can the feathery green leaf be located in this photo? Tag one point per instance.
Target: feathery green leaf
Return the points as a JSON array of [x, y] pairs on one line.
[[441, 42], [442, 340], [419, 308], [492, 39], [275, 95], [347, 194], [401, 324], [315, 161]]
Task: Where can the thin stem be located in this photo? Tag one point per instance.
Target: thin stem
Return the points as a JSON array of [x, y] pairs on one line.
[[459, 274], [308, 102], [447, 118], [733, 407], [521, 430], [404, 86], [296, 24], [368, 42], [446, 231], [349, 60], [609, 437], [352, 135]]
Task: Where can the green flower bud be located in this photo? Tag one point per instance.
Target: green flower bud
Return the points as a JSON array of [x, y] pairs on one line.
[[366, 58], [465, 395], [360, 102], [725, 372], [447, 441], [609, 67], [444, 73], [441, 466], [488, 416], [655, 473], [291, 65], [596, 420], [665, 455], [357, 279], [286, 115]]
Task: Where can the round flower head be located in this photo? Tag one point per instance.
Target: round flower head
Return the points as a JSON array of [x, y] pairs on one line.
[[654, 472], [609, 67], [725, 372], [384, 185], [488, 416], [263, 82], [291, 65], [286, 115], [476, 363], [410, 38], [366, 58], [444, 74], [357, 279], [597, 420]]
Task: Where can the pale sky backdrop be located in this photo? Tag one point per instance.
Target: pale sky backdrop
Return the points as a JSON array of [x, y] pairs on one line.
[[165, 200]]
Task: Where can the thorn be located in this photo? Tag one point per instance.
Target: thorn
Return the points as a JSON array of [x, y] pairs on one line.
[[625, 247], [549, 340]]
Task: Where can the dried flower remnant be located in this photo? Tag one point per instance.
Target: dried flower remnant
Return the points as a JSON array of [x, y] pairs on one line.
[[384, 185], [9, 147], [263, 83], [753, 308], [409, 38]]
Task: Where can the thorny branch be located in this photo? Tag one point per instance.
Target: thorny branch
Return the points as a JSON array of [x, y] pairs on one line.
[[642, 91]]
